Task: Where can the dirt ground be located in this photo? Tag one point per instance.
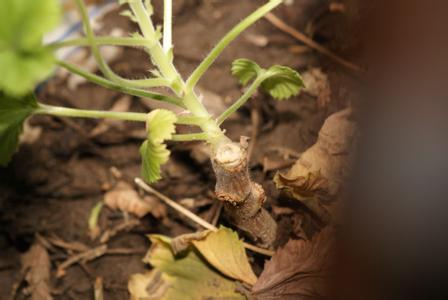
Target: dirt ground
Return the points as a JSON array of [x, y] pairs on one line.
[[52, 185]]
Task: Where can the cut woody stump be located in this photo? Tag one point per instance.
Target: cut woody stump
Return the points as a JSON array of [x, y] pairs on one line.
[[243, 199]]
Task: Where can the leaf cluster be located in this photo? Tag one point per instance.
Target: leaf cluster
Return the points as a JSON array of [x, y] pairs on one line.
[[23, 58]]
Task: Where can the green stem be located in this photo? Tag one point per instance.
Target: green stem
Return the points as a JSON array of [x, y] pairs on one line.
[[159, 57], [227, 39], [202, 136], [191, 120], [153, 82], [167, 25], [105, 41], [117, 87], [91, 114], [243, 99]]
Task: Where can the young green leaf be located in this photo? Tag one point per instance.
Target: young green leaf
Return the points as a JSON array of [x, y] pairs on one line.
[[13, 112], [279, 81], [282, 82], [23, 59], [160, 126], [245, 70]]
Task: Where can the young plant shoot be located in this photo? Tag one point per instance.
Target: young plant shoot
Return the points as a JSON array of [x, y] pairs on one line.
[[25, 61]]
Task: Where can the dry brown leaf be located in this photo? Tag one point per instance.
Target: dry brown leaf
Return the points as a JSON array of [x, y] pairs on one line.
[[125, 198], [298, 270], [30, 133], [319, 174], [36, 265], [317, 85]]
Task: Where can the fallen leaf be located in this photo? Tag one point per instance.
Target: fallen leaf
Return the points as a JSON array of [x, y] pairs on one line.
[[318, 176], [317, 85], [36, 265], [30, 134], [298, 270], [125, 198], [225, 251], [187, 276]]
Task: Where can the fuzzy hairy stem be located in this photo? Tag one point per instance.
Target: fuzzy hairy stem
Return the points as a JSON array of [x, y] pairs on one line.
[[243, 198]]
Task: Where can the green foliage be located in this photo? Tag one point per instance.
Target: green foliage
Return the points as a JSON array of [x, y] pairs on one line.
[[23, 59], [282, 83], [160, 126], [13, 112], [187, 276], [245, 70], [279, 81]]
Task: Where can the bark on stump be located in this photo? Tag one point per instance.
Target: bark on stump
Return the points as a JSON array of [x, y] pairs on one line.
[[243, 199]]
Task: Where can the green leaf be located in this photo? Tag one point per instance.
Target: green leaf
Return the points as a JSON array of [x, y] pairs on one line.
[[160, 126], [187, 276], [279, 81], [245, 70], [24, 61], [282, 82], [13, 113], [225, 251]]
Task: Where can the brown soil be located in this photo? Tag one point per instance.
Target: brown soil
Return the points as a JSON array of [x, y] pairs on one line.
[[51, 185]]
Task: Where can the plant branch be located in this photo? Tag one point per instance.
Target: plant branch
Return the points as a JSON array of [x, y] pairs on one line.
[[191, 120], [103, 40], [167, 25], [152, 82], [202, 136], [159, 57], [227, 39], [242, 100], [91, 114], [117, 87]]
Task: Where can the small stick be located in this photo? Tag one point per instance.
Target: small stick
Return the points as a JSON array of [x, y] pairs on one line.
[[277, 22], [72, 246], [192, 216], [125, 226], [98, 289], [83, 256], [255, 120]]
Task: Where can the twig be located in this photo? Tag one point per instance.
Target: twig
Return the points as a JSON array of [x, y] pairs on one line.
[[192, 216], [83, 256], [125, 251], [255, 120], [125, 226], [98, 289], [217, 213], [72, 246], [277, 22]]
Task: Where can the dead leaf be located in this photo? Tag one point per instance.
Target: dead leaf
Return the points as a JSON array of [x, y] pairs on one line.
[[297, 271], [30, 133], [182, 242], [125, 198], [179, 277], [319, 174], [317, 85], [225, 251], [36, 265]]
